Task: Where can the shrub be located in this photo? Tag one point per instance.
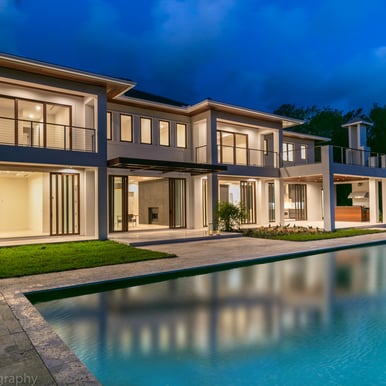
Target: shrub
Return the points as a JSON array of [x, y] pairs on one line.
[[229, 216]]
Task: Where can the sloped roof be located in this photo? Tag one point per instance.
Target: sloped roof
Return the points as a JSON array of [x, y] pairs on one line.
[[138, 94]]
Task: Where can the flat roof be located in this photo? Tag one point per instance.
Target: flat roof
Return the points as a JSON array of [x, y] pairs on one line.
[[164, 166]]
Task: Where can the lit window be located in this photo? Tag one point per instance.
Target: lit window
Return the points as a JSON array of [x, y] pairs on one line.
[[109, 132], [164, 133], [146, 130], [181, 135], [288, 151], [303, 151], [265, 147], [126, 128]]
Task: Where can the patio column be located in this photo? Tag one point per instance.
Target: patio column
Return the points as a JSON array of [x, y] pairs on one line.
[[212, 199], [328, 189], [373, 201], [279, 201], [102, 204]]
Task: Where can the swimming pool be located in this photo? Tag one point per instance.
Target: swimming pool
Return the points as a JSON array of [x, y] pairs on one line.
[[319, 319]]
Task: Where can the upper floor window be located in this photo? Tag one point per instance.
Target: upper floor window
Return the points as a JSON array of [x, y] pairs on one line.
[[265, 147], [288, 151], [164, 133], [126, 128], [232, 148], [303, 151], [109, 133], [181, 135], [146, 136]]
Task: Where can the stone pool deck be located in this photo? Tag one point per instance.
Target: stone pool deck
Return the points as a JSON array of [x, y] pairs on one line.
[[32, 354]]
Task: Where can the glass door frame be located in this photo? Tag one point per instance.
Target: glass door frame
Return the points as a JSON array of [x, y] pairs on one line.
[[64, 204]]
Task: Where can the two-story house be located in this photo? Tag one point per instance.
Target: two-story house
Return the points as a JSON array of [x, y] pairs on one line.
[[86, 154]]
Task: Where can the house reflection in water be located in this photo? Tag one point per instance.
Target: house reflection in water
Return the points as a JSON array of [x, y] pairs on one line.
[[210, 314]]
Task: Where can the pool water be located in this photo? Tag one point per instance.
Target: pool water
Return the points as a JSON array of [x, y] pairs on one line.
[[315, 320]]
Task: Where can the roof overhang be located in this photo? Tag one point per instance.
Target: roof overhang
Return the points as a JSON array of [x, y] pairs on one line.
[[114, 86], [294, 134], [164, 166], [210, 104]]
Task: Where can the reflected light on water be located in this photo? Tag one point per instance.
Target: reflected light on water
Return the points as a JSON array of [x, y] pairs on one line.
[[245, 321]]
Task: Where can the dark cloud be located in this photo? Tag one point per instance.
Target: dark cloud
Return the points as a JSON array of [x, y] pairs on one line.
[[254, 53]]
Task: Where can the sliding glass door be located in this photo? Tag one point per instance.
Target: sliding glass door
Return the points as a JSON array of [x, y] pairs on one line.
[[248, 201], [177, 203], [64, 209]]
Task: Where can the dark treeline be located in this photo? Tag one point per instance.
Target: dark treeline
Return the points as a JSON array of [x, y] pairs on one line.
[[327, 122]]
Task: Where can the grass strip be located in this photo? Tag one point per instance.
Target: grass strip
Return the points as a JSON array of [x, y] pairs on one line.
[[44, 258], [297, 234]]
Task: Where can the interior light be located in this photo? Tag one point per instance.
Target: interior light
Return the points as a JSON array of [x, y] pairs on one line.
[[31, 116], [38, 107]]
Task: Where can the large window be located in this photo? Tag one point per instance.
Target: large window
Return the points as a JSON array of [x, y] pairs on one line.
[[7, 123], [248, 201], [288, 151], [126, 128], [146, 131], [181, 135], [232, 148], [109, 133], [26, 122], [164, 133]]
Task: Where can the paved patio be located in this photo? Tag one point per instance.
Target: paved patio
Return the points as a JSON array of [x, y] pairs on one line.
[[31, 353]]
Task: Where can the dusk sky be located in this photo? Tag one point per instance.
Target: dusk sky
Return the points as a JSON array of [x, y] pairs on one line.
[[253, 53]]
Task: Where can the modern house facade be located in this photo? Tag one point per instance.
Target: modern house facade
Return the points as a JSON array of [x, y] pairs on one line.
[[86, 154]]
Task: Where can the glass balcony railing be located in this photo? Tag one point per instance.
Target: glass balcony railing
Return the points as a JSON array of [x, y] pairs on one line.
[[20, 132]]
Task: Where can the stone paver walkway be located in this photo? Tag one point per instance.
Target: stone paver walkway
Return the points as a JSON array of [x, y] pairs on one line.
[[31, 351]]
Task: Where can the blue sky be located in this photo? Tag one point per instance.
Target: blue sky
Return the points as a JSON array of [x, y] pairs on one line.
[[253, 53]]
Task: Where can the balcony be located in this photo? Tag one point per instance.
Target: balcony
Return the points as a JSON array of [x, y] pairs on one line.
[[340, 155], [232, 155], [27, 133]]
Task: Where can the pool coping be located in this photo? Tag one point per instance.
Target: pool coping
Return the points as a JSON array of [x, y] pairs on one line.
[[60, 361]]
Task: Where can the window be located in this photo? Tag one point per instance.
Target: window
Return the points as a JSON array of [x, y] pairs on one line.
[[303, 152], [164, 133], [126, 128], [109, 133], [7, 122], [181, 135], [146, 130], [288, 151], [265, 147], [232, 148]]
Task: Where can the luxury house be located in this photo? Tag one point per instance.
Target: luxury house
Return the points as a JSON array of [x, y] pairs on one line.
[[86, 154]]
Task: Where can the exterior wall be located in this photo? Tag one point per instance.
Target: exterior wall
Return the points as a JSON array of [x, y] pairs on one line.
[[86, 101], [310, 158], [136, 149], [154, 194], [88, 107], [314, 202]]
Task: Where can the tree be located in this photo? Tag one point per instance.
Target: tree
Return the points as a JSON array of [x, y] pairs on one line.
[[376, 135], [326, 122]]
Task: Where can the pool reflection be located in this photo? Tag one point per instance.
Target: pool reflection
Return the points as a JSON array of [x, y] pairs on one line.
[[215, 313]]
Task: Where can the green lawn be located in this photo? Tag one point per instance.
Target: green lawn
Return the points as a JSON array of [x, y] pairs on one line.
[[305, 234], [44, 258]]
